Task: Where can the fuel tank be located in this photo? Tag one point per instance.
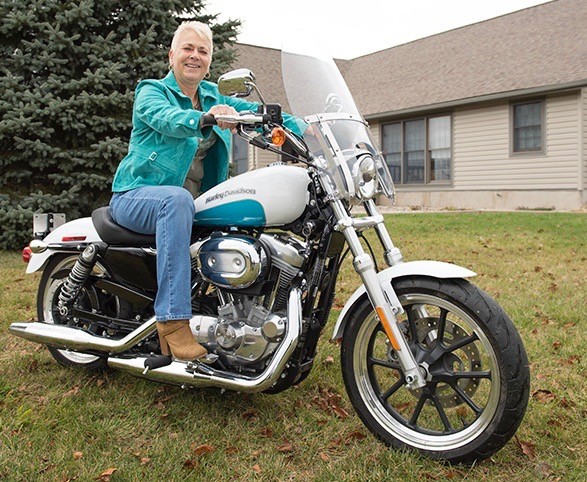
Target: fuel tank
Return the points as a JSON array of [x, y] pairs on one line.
[[272, 196]]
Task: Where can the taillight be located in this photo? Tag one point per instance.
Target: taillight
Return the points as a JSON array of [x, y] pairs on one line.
[[27, 254]]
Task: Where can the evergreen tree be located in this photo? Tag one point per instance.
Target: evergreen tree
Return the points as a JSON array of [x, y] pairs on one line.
[[67, 78]]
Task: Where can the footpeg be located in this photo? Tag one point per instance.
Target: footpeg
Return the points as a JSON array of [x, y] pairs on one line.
[[156, 361]]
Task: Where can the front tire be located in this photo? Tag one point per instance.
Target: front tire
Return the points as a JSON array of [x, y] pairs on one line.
[[477, 371]]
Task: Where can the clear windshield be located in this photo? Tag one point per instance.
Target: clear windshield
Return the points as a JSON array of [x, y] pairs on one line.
[[317, 92]]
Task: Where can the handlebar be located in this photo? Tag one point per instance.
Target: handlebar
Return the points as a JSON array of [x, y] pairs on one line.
[[243, 118]]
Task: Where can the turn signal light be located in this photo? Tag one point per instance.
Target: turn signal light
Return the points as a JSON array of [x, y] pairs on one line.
[[278, 136]]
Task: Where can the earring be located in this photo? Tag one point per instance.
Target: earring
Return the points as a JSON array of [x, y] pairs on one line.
[[170, 67], [207, 76]]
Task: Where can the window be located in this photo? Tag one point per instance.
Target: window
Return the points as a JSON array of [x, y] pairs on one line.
[[527, 127], [240, 155], [419, 151]]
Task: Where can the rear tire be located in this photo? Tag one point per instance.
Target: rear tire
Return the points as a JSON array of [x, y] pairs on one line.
[[478, 376], [53, 277]]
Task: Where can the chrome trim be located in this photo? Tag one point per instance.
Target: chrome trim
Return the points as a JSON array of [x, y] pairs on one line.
[[66, 338], [177, 373]]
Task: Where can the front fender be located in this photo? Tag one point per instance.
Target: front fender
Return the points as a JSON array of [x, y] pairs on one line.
[[73, 229], [435, 269]]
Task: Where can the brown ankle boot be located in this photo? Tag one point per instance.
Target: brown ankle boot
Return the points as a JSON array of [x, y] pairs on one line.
[[176, 339]]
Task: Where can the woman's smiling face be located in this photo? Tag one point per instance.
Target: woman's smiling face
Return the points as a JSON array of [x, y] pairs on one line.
[[191, 59]]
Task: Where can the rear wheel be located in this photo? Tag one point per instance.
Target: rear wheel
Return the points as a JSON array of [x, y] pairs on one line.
[[477, 371], [55, 273]]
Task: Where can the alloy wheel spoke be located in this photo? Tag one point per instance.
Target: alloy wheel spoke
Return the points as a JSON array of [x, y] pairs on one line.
[[394, 388], [461, 343], [441, 327], [442, 413], [465, 398], [383, 363], [418, 409]]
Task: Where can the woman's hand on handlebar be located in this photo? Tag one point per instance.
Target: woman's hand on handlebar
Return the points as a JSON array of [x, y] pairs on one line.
[[221, 109]]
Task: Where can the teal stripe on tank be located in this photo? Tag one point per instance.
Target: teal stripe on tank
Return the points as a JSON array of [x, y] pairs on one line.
[[245, 213]]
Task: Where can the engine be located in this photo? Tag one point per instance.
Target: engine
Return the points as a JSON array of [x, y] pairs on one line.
[[253, 278]]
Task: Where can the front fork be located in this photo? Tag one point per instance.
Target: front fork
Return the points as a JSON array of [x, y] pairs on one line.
[[382, 297]]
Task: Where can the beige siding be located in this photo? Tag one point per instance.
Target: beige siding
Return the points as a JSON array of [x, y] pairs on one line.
[[376, 133], [482, 157], [259, 158]]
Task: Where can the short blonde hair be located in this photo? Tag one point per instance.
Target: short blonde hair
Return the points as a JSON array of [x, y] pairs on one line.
[[200, 28]]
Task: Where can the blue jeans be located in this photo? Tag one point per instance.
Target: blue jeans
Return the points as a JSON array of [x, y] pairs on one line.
[[168, 212]]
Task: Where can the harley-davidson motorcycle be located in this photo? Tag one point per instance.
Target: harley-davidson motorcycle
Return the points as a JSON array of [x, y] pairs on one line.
[[429, 361]]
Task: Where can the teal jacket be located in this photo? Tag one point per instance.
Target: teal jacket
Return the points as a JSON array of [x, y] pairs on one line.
[[166, 133]]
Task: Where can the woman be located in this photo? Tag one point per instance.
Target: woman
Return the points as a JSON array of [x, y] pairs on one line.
[[166, 142]]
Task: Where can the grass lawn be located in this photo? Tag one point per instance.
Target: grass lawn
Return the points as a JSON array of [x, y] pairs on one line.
[[58, 424]]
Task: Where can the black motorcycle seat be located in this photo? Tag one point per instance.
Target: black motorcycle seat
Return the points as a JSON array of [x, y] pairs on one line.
[[116, 235]]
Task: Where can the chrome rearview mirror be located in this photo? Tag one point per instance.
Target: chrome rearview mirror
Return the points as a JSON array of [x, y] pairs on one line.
[[239, 83]]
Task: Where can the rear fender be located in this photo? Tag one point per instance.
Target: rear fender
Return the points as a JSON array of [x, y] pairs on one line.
[[77, 228], [434, 269]]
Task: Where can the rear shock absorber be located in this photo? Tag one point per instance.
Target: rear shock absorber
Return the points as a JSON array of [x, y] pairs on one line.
[[76, 279]]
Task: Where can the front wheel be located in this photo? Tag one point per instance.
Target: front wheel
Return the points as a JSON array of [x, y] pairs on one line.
[[475, 364]]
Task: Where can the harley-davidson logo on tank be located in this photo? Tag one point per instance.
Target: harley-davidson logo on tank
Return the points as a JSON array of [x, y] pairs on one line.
[[272, 196]]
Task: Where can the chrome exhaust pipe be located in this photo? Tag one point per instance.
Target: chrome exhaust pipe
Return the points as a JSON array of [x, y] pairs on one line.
[[177, 373], [63, 337]]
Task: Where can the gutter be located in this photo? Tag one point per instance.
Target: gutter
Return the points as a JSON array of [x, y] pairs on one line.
[[479, 99]]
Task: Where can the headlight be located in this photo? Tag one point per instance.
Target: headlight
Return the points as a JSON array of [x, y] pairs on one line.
[[365, 177]]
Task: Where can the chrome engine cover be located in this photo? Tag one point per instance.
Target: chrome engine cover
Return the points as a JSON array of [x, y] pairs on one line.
[[242, 340], [230, 261]]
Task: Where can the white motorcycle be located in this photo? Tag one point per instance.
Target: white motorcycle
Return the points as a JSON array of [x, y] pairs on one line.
[[430, 362]]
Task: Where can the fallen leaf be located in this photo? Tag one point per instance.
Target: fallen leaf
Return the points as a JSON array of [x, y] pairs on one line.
[[356, 435], [537, 269], [286, 447], [557, 344], [329, 360], [340, 412], [528, 448], [570, 325], [251, 413], [267, 432], [47, 468], [572, 360], [77, 455], [203, 449], [73, 391], [231, 450], [543, 396], [324, 457], [190, 464], [105, 476], [145, 460], [256, 453], [257, 468], [553, 287], [566, 403], [543, 469]]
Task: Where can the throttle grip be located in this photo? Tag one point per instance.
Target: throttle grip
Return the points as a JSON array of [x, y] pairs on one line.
[[207, 120]]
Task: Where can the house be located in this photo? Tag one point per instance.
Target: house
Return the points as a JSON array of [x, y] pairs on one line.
[[491, 115]]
